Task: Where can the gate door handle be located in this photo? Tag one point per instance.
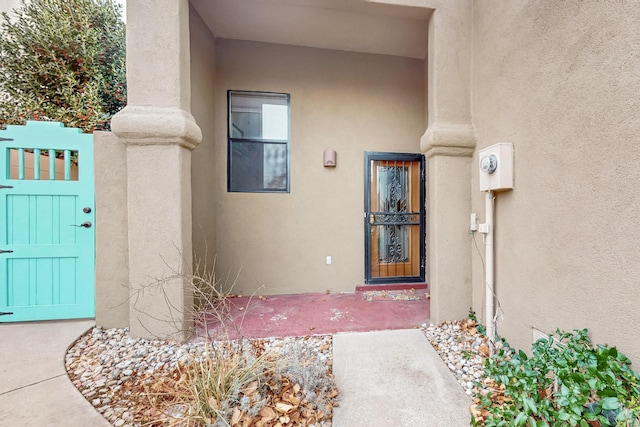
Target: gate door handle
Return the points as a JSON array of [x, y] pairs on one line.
[[2, 251], [372, 219], [85, 224]]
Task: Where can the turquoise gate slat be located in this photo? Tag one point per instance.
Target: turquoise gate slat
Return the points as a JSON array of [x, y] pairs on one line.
[[47, 237]]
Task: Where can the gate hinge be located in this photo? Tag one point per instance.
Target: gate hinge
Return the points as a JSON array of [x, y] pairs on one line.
[[6, 313], [2, 187], [6, 139], [3, 251]]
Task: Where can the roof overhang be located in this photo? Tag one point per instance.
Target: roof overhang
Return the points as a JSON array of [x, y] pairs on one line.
[[349, 25]]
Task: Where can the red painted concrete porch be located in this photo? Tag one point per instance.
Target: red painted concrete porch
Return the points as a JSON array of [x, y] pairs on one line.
[[324, 313]]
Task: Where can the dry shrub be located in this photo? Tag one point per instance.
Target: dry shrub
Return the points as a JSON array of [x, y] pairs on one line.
[[242, 382]]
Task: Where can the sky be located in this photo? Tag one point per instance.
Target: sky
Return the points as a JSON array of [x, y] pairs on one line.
[[124, 6]]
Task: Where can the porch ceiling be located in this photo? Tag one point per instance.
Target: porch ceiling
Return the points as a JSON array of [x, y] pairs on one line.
[[351, 25]]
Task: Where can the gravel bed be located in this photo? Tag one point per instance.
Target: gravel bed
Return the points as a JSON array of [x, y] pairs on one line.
[[464, 350], [103, 362]]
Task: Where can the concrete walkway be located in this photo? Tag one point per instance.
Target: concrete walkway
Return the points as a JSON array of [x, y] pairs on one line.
[[395, 378], [388, 378], [35, 390]]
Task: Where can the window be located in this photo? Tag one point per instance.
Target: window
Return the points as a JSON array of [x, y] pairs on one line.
[[258, 151]]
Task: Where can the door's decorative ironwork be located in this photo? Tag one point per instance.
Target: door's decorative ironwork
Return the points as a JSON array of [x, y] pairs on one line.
[[393, 187], [396, 218]]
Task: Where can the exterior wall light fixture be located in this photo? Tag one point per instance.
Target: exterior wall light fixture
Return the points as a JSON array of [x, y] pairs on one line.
[[329, 158]]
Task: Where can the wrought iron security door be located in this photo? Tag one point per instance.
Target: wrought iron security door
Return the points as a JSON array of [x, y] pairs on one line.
[[47, 237], [394, 218]]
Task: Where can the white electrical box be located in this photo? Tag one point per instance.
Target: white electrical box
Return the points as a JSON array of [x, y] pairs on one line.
[[496, 167]]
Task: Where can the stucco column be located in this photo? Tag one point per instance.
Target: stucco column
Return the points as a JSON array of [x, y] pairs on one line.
[[449, 143], [159, 133]]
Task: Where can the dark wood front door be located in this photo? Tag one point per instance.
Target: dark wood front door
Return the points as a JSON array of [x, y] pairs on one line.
[[394, 218]]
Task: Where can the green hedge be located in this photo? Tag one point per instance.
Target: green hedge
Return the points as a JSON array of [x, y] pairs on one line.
[[63, 60]]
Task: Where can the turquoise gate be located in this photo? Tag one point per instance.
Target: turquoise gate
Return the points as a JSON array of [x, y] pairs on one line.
[[47, 234]]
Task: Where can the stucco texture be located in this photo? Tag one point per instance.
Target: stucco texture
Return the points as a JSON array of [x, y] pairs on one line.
[[203, 190], [112, 245], [561, 81], [348, 102]]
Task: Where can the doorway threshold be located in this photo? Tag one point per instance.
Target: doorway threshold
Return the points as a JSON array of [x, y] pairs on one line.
[[391, 287]]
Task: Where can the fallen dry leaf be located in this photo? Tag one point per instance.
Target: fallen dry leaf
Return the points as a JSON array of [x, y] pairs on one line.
[[251, 389], [268, 414], [235, 418], [484, 350], [283, 407], [295, 401]]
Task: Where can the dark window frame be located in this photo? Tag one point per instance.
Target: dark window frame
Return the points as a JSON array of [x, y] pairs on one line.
[[235, 140]]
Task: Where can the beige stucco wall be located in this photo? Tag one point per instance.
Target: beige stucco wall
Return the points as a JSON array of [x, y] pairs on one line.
[[344, 101], [561, 83], [112, 240], [449, 143], [203, 160], [159, 132]]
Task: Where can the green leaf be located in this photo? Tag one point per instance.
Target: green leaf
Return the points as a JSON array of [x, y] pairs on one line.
[[607, 392], [610, 403], [591, 416], [530, 405], [576, 409], [520, 419]]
